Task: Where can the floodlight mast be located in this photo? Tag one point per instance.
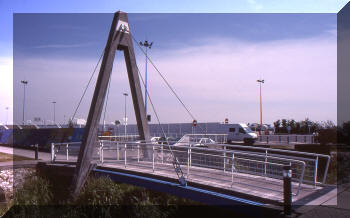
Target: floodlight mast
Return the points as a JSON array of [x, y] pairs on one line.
[[146, 45], [260, 81], [119, 39]]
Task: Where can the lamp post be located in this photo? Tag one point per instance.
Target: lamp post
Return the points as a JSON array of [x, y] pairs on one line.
[[24, 82], [260, 81], [146, 45], [54, 112], [125, 94]]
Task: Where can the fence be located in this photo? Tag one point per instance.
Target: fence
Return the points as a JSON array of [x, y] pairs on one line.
[[287, 138], [219, 162]]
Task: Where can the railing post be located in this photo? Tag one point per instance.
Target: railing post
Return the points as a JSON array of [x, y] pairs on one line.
[[267, 139], [67, 154], [138, 153], [296, 138], [162, 152], [279, 138], [288, 139], [99, 152], [125, 155], [265, 161], [305, 139], [315, 171], [102, 157], [233, 167], [153, 158], [287, 190], [224, 158], [190, 155], [36, 147], [326, 170], [188, 161], [117, 150], [52, 152]]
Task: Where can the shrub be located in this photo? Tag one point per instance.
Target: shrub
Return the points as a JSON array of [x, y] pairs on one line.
[[100, 191], [35, 191]]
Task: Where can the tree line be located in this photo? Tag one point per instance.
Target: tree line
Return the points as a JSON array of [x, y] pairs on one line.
[[326, 131], [301, 127]]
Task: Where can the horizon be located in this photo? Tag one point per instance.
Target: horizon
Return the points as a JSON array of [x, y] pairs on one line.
[[9, 8], [57, 52]]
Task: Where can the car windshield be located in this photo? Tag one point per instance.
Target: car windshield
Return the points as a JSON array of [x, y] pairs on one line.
[[247, 129]]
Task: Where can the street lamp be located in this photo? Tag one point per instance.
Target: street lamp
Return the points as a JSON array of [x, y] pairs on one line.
[[146, 45], [125, 94], [54, 112], [260, 81], [24, 82]]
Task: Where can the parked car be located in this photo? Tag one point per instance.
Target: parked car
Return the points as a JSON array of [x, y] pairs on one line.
[[204, 142]]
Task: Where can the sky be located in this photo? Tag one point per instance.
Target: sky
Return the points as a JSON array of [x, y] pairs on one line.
[[211, 59]]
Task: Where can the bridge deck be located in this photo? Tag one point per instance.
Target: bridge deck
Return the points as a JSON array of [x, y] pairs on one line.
[[210, 170], [267, 189]]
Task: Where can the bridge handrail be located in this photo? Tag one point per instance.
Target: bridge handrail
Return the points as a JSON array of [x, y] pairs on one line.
[[269, 155], [188, 149], [270, 151], [317, 156], [65, 143]]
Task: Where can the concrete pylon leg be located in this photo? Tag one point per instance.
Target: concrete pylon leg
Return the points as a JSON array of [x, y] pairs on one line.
[[119, 39]]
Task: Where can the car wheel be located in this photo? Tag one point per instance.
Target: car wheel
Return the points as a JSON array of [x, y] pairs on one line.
[[248, 141]]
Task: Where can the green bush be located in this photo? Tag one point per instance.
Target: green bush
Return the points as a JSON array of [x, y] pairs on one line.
[[100, 191], [35, 191], [100, 197]]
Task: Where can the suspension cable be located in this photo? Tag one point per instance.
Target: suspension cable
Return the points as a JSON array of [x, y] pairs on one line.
[[166, 82], [93, 73], [106, 102], [164, 79], [176, 163]]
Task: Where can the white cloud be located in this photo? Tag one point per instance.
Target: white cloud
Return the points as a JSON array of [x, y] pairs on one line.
[[300, 78], [255, 5], [6, 89], [215, 80], [77, 45]]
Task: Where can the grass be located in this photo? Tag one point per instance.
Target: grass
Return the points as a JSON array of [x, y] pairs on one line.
[[100, 196], [4, 157]]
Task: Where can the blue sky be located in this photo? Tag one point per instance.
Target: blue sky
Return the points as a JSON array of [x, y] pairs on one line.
[[75, 42], [61, 34]]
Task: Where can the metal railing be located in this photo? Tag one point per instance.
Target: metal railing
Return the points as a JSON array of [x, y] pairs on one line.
[[64, 151], [311, 159], [223, 161], [219, 163], [287, 138], [218, 138], [120, 137]]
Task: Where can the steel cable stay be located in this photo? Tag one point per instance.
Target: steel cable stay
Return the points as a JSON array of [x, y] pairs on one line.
[[87, 86], [175, 163], [166, 82], [106, 101]]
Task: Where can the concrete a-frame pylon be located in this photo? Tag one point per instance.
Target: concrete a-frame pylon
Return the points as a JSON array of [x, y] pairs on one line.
[[119, 39]]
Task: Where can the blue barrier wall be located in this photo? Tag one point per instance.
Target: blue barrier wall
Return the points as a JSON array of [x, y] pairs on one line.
[[42, 137]]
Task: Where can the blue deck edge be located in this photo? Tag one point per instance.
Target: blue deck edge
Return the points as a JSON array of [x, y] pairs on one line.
[[190, 192]]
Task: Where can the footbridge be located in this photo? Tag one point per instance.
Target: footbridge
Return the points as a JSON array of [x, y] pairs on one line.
[[213, 173]]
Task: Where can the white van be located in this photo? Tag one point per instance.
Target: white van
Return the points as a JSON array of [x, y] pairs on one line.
[[239, 132]]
